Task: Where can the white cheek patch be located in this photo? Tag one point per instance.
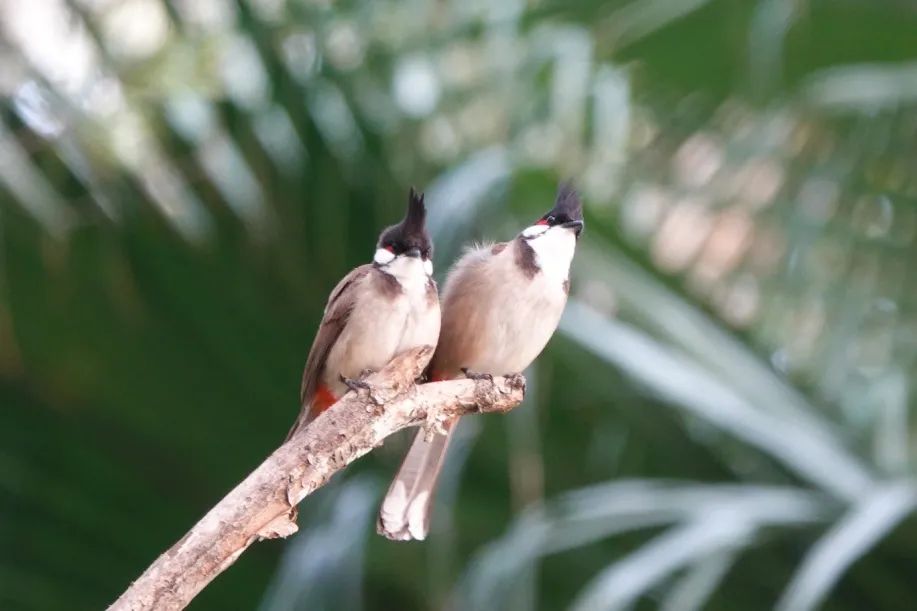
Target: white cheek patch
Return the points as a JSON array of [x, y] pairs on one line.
[[554, 252], [428, 267], [534, 231], [384, 257]]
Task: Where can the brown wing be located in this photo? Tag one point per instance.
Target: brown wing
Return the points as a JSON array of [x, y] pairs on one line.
[[337, 311]]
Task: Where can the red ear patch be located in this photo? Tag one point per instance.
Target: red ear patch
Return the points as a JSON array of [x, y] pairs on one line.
[[542, 222], [391, 249]]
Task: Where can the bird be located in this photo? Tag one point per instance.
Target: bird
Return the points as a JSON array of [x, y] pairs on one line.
[[501, 304], [377, 311]]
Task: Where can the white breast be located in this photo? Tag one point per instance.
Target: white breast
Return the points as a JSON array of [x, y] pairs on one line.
[[554, 251], [411, 274], [380, 326], [422, 318], [498, 317]]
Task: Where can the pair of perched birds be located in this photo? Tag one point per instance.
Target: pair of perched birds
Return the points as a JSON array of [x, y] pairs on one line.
[[501, 305]]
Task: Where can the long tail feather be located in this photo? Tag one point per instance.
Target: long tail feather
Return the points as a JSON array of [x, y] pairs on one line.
[[405, 512]]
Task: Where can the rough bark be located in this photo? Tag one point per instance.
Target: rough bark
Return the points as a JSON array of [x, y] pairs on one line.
[[263, 506]]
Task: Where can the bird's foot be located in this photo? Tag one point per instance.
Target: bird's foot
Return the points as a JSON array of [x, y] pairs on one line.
[[356, 385], [474, 375], [515, 380]]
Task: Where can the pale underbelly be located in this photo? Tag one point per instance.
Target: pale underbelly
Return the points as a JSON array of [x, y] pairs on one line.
[[371, 341], [516, 339]]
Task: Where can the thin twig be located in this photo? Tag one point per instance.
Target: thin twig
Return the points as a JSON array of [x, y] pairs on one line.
[[263, 506]]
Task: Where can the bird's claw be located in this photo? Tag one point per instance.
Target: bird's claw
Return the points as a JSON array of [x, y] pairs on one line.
[[354, 385], [474, 375]]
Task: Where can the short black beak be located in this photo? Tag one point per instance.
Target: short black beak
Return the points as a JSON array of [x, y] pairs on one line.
[[414, 253], [576, 226]]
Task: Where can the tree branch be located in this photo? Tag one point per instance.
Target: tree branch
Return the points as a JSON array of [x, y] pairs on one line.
[[263, 506]]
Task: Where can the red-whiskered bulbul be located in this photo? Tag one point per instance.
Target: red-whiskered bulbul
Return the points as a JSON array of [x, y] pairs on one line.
[[375, 312], [501, 305]]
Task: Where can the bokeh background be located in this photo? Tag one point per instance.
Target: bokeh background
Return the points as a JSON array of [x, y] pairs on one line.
[[725, 419]]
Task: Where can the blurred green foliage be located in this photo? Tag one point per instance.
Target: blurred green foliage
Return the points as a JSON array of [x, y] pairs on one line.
[[723, 420]]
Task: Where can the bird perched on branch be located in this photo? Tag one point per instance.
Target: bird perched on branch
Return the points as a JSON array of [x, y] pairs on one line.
[[501, 305], [375, 312]]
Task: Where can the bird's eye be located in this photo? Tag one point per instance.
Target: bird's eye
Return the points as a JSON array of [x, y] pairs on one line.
[[552, 220]]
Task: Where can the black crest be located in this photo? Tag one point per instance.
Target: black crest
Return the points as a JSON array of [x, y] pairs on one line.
[[411, 233], [415, 221], [567, 205]]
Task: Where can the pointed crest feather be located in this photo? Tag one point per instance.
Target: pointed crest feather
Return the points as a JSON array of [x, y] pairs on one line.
[[416, 217], [568, 202], [411, 232]]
